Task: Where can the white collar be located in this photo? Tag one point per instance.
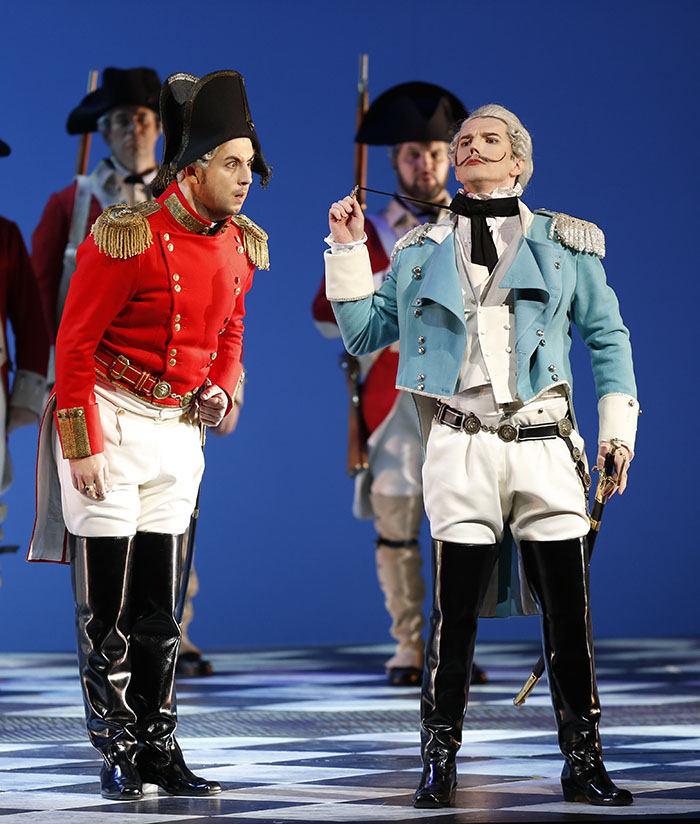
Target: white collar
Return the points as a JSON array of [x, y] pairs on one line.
[[504, 191]]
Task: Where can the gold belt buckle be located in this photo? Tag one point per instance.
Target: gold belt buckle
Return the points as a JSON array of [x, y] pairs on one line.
[[123, 362], [162, 390], [186, 399]]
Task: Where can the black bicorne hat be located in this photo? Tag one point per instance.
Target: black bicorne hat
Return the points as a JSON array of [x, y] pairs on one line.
[[409, 112], [4, 149], [199, 114], [120, 87]]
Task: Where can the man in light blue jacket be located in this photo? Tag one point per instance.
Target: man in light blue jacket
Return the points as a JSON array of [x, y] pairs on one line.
[[482, 305]]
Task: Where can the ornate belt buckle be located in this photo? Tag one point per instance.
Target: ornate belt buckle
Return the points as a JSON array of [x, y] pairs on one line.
[[162, 390], [471, 424], [118, 374], [186, 399], [507, 432], [565, 427]]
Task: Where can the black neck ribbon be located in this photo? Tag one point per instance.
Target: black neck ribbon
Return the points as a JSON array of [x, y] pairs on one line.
[[483, 247]]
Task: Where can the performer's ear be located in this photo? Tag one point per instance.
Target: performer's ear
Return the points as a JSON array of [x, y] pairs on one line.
[[192, 171]]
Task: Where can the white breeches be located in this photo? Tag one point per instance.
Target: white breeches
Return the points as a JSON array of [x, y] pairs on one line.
[[474, 484], [155, 464]]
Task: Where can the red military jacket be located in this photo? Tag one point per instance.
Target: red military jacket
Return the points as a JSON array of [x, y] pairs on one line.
[[174, 309], [19, 303], [49, 242]]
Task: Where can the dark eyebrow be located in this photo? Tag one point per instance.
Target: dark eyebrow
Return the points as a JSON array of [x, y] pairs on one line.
[[239, 158], [483, 134]]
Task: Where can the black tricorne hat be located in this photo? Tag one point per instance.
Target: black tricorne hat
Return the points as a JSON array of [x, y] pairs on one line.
[[199, 114], [4, 149], [120, 87], [410, 112]]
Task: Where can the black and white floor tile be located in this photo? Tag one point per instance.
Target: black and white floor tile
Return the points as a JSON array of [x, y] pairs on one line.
[[315, 734]]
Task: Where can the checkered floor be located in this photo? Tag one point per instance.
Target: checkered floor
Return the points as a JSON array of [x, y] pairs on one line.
[[315, 734]]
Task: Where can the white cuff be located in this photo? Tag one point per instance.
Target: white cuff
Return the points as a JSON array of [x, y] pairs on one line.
[[342, 248], [349, 276], [28, 391], [617, 418]]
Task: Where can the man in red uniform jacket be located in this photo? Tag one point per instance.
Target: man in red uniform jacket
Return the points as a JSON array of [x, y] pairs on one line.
[[149, 347], [417, 120], [124, 110], [19, 304]]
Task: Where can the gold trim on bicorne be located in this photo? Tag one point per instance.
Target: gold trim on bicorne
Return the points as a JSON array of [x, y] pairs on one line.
[[254, 241], [123, 231], [73, 431], [184, 218]]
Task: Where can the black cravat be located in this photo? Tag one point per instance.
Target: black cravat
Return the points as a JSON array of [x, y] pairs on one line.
[[483, 247], [133, 179]]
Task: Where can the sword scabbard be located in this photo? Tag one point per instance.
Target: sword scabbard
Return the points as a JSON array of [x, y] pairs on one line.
[[528, 687]]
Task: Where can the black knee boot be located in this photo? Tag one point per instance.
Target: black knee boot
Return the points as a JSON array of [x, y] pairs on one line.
[[461, 574], [100, 575], [557, 572], [154, 643]]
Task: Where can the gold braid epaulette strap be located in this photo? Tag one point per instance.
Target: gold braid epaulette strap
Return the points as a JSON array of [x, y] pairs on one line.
[[254, 241], [123, 231], [72, 427], [574, 233]]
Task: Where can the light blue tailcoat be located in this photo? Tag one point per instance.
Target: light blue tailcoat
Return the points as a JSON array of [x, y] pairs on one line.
[[420, 304], [552, 285]]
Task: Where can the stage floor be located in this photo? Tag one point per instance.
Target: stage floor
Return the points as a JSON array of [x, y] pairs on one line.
[[314, 734]]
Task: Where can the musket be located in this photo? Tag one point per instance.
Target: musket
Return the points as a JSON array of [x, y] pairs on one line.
[[606, 475], [85, 139], [357, 429], [362, 106]]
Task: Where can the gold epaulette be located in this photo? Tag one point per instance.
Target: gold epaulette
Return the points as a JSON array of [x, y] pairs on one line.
[[123, 231], [72, 427], [413, 236], [254, 241], [574, 233]]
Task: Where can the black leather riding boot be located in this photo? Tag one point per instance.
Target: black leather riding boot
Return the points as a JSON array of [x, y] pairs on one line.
[[100, 576], [557, 572], [154, 643], [461, 574]]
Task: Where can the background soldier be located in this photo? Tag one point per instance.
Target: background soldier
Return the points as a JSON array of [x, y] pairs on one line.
[[125, 112], [417, 120], [19, 304]]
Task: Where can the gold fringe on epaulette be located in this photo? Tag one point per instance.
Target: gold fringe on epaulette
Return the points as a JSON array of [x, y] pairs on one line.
[[254, 241], [123, 232]]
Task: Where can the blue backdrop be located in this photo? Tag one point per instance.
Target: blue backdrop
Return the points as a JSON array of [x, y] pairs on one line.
[[609, 92]]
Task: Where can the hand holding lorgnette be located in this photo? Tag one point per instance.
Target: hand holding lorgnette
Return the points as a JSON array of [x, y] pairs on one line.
[[346, 220]]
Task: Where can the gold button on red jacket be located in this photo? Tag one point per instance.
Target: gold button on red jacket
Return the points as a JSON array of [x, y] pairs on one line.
[[151, 280]]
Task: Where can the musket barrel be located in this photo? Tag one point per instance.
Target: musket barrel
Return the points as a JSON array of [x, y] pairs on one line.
[[85, 139]]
